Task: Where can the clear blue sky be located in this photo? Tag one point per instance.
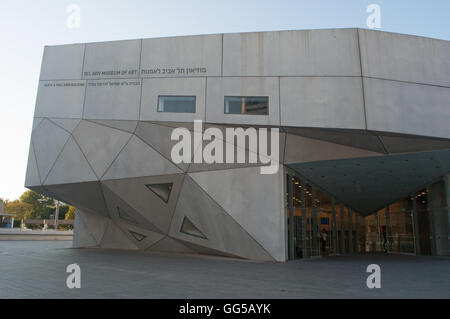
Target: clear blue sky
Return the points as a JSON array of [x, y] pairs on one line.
[[26, 26]]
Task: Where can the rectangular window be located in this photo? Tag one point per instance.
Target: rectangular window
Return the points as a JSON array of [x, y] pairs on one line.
[[176, 104], [253, 105]]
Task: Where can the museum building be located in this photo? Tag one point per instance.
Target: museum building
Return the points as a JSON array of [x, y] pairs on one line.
[[363, 146]]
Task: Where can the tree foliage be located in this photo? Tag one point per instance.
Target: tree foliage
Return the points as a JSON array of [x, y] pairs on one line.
[[18, 208], [33, 205], [70, 213]]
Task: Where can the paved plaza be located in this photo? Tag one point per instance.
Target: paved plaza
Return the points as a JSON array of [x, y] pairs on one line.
[[37, 269]]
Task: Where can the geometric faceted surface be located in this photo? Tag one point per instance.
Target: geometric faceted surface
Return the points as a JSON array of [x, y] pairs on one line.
[[215, 228], [71, 166], [365, 126], [68, 124], [87, 196], [127, 126], [139, 159], [48, 140], [32, 176], [102, 150], [255, 208]]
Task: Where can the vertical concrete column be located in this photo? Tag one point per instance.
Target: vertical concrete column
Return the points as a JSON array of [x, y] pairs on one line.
[[447, 206], [431, 221], [416, 229], [290, 205], [12, 222], [357, 238], [350, 230], [304, 218], [314, 224], [388, 228], [334, 226], [342, 229]]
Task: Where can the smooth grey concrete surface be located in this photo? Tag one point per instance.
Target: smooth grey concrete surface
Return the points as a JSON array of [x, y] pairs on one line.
[[335, 102], [62, 62], [332, 52], [60, 99], [223, 232], [262, 219], [113, 59], [185, 55], [407, 108], [113, 99], [404, 57], [38, 270]]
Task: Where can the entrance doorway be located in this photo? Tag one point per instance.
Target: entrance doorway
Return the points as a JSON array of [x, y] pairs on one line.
[[312, 220]]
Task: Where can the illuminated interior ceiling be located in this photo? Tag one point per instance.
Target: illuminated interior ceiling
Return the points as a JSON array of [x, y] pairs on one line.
[[369, 184]]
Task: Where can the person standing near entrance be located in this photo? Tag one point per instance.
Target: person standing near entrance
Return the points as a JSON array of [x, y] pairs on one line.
[[323, 240]]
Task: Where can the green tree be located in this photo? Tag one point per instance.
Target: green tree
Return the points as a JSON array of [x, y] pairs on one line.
[[18, 208], [70, 213], [41, 206]]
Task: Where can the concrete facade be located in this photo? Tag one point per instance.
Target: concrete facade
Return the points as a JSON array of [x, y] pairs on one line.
[[342, 98]]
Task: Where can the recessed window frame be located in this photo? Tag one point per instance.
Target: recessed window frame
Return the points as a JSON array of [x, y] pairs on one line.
[[242, 97], [200, 234], [180, 96], [149, 187]]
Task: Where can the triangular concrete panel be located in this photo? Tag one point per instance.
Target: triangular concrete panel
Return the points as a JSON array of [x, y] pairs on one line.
[[145, 202], [301, 149], [115, 238], [281, 136], [253, 200], [210, 251], [128, 126], [36, 122], [68, 124], [223, 232], [138, 159], [86, 196], [188, 125], [95, 224], [100, 144], [354, 138], [168, 244], [82, 237], [142, 238], [158, 137], [70, 167], [407, 144], [48, 140], [121, 211], [198, 167], [32, 176]]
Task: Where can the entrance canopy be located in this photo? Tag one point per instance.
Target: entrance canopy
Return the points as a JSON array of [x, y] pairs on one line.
[[371, 183]]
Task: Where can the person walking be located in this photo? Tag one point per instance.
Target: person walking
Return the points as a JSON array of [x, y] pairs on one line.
[[323, 240]]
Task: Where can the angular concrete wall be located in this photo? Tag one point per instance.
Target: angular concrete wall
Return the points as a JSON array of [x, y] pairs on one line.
[[99, 142]]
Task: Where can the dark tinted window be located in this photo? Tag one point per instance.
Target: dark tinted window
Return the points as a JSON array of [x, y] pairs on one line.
[[255, 105], [177, 104]]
